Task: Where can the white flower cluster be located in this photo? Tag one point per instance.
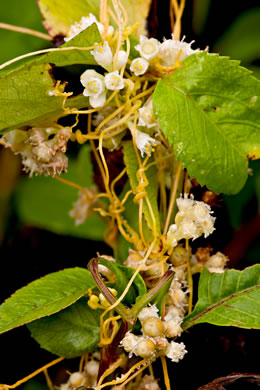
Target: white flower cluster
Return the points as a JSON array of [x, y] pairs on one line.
[[83, 206], [41, 155], [193, 219], [88, 377], [215, 263], [96, 85], [154, 337], [166, 53]]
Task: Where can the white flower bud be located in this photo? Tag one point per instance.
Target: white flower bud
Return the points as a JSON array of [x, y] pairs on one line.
[[121, 59], [153, 327], [64, 386], [145, 143], [139, 66], [114, 81], [161, 343], [172, 328], [94, 87], [103, 55], [129, 342], [145, 349], [147, 312], [172, 236], [76, 379], [148, 48], [175, 351], [92, 368], [43, 153], [179, 297], [216, 263], [171, 49], [179, 255], [188, 229], [146, 116], [148, 382], [173, 312]]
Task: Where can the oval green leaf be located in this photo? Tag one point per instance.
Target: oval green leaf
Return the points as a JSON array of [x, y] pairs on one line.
[[209, 109], [44, 297], [69, 333], [228, 299]]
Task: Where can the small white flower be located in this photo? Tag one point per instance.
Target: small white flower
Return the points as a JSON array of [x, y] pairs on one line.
[[146, 116], [188, 229], [103, 55], [148, 48], [85, 22], [92, 367], [216, 263], [148, 312], [76, 379], [145, 143], [139, 66], [173, 312], [121, 59], [172, 49], [172, 327], [172, 236], [175, 351], [114, 81], [94, 87], [129, 342]]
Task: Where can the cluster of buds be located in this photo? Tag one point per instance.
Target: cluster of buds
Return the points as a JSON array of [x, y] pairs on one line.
[[99, 301], [42, 149], [88, 377], [193, 219], [154, 338], [215, 263]]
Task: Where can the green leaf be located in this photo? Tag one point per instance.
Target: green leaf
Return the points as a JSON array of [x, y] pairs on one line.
[[44, 297], [45, 202], [69, 333], [59, 15], [86, 38], [123, 275], [132, 167], [228, 299], [25, 100], [209, 109]]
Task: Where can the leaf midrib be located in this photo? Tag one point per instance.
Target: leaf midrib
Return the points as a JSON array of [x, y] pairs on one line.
[[217, 304]]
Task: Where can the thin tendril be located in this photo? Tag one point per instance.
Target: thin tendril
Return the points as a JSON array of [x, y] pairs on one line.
[[34, 53], [25, 30]]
